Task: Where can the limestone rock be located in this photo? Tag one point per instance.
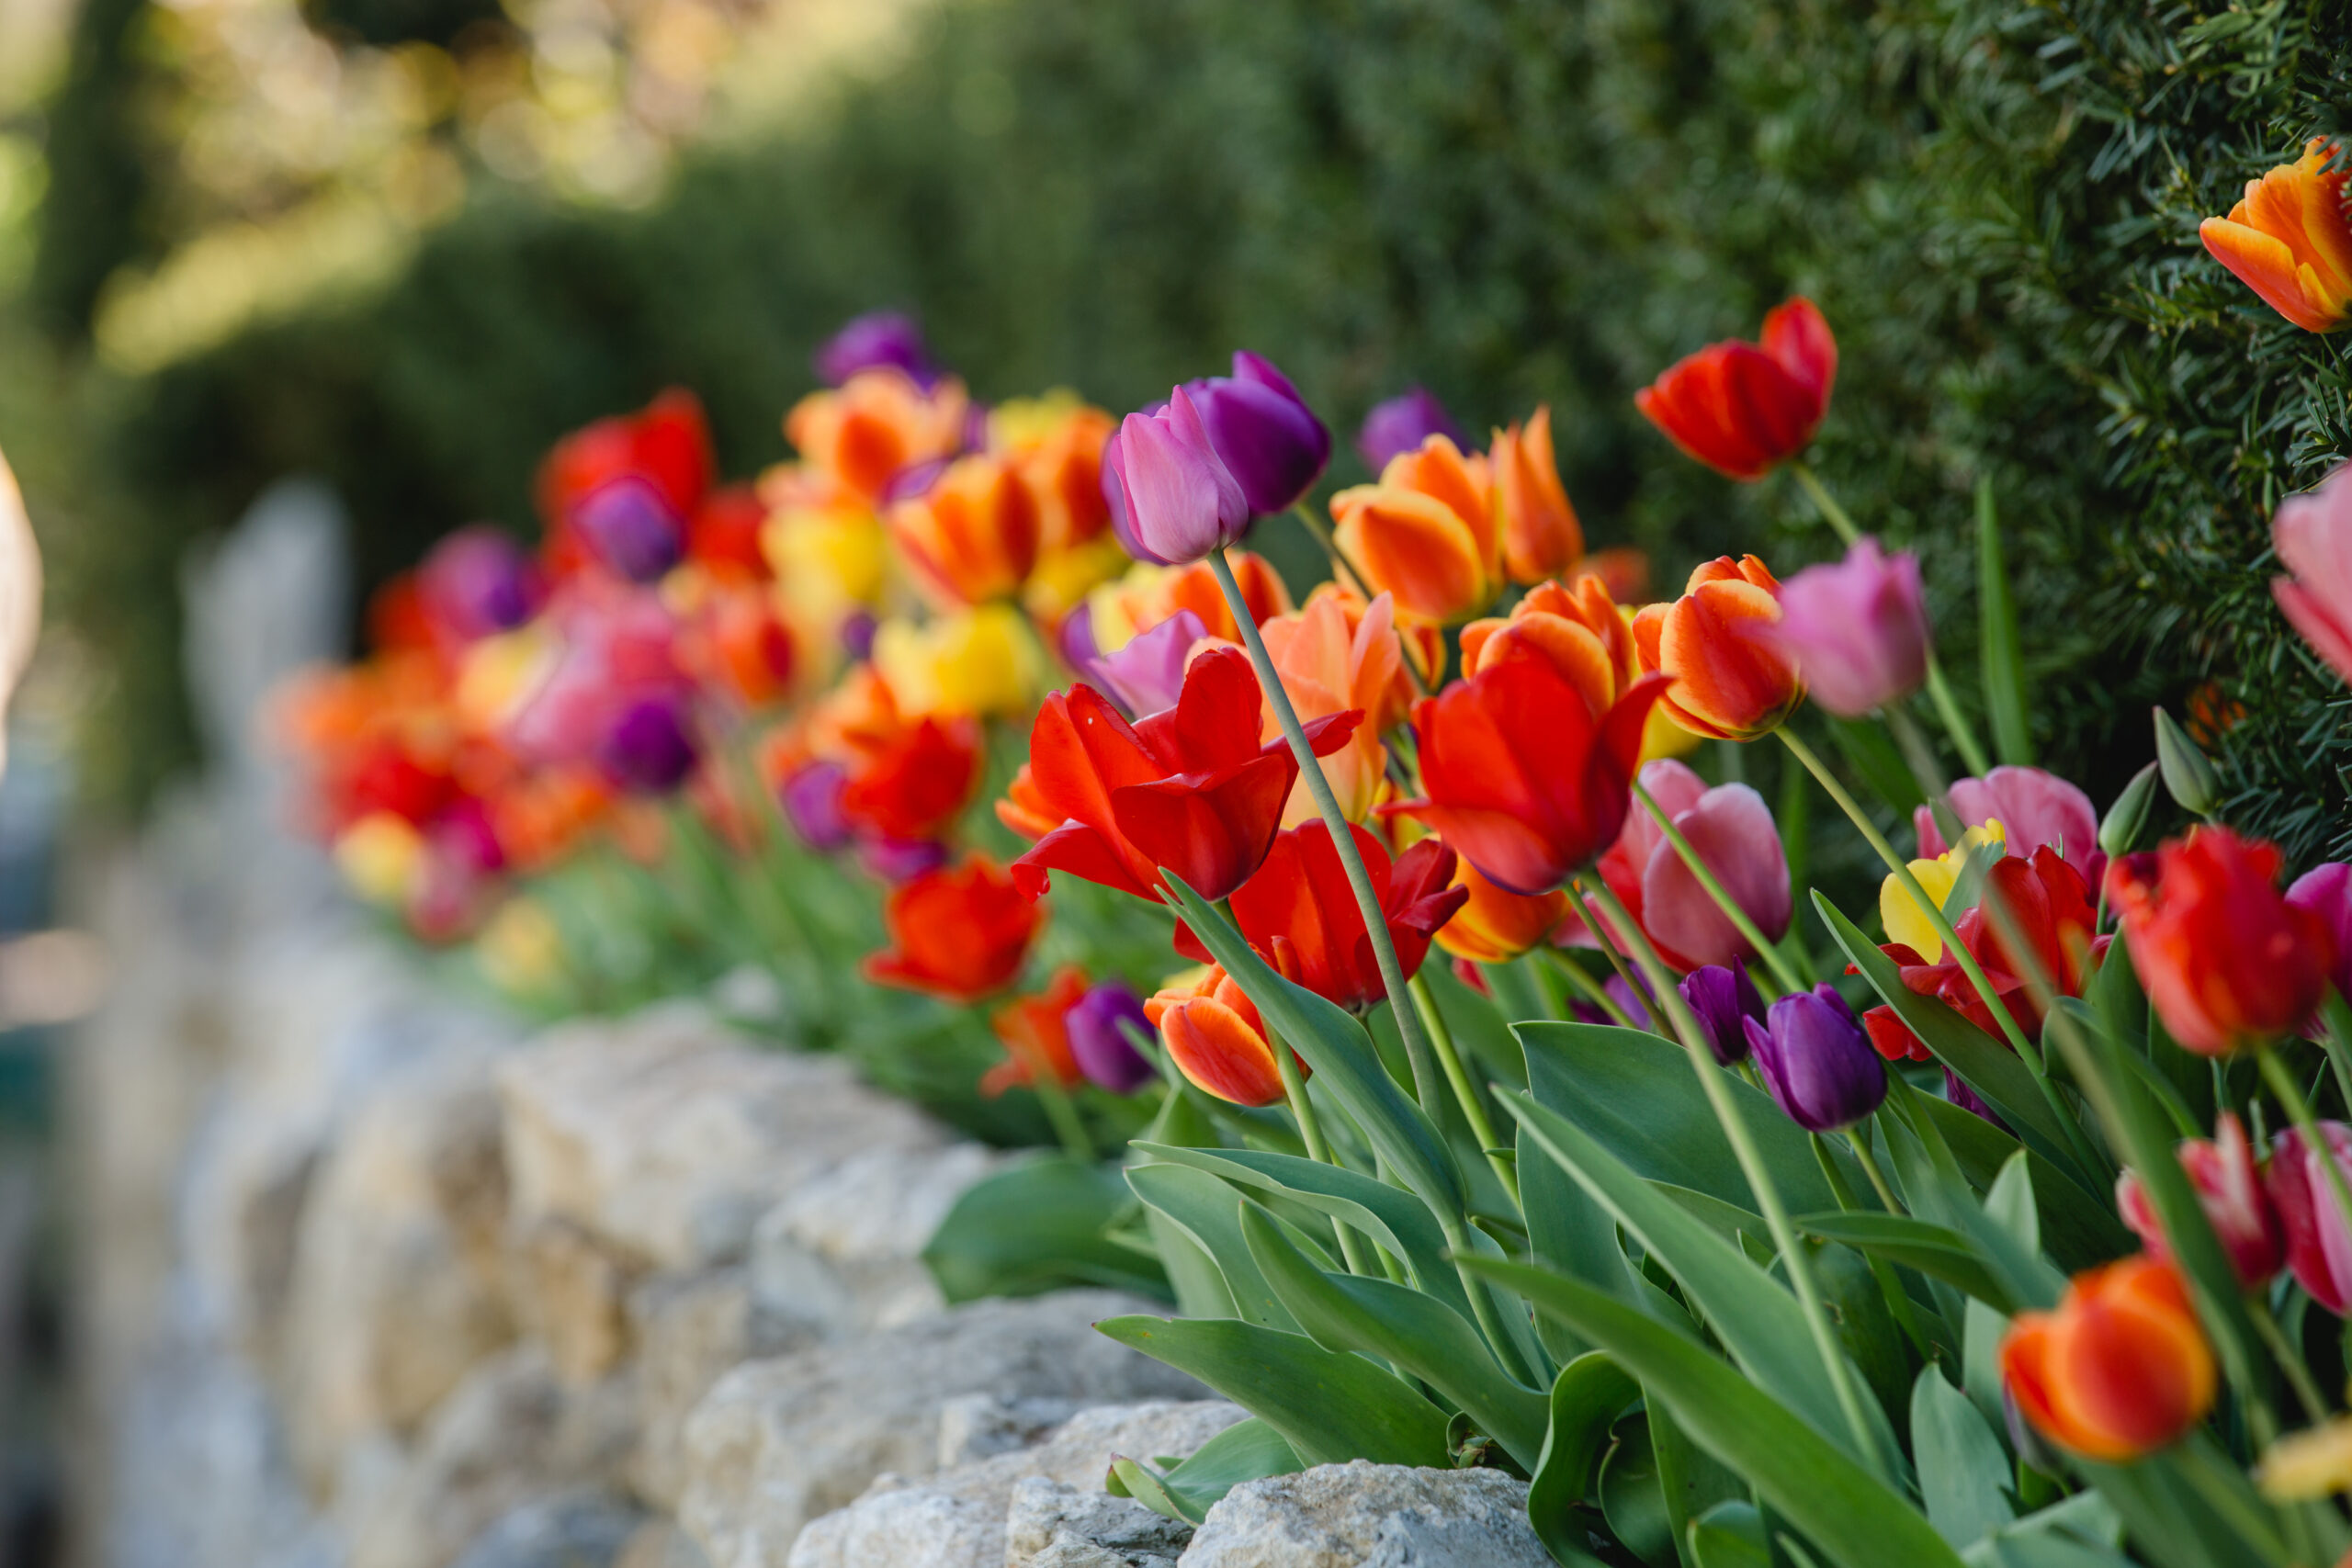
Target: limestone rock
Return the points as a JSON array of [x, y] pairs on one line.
[[660, 1543], [668, 1138], [569, 1289], [573, 1530], [776, 1443], [1360, 1514], [688, 1329], [1048, 1525]]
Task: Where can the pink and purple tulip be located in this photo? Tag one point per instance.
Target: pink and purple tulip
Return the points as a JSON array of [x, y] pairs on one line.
[[477, 582], [1857, 629], [1171, 499], [649, 748], [1732, 830]]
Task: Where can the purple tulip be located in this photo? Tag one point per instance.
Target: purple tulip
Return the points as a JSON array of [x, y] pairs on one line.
[[628, 526], [2326, 891], [1148, 674], [1100, 1043], [1723, 999], [1268, 440], [1172, 501], [1816, 1060], [811, 800], [894, 860], [857, 634], [2033, 808], [647, 751], [1401, 425], [479, 582], [1968, 1099], [888, 338], [1858, 628]]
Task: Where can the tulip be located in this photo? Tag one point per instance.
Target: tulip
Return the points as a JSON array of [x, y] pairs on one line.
[[1892, 1039], [2326, 892], [1218, 1041], [889, 338], [1192, 790], [1540, 536], [1495, 925], [1578, 628], [1148, 675], [1300, 909], [811, 800], [1742, 409], [2227, 962], [914, 783], [1857, 628], [2313, 534], [2229, 1188], [972, 537], [724, 536], [2289, 241], [1062, 467], [983, 661], [1732, 830], [881, 422], [1263, 432], [1732, 679], [957, 934], [2318, 1241], [2033, 808], [1814, 1058], [1426, 533], [623, 489], [1034, 1033], [1172, 501], [737, 646], [2049, 905], [626, 525], [477, 582], [648, 750], [2119, 1369], [1724, 1000], [1957, 1092], [1335, 655], [1527, 774], [1401, 425], [1099, 1023], [893, 862]]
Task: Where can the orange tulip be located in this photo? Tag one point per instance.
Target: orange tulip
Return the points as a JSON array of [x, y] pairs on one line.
[[1034, 1033], [876, 425], [2121, 1370], [1540, 536], [1731, 681], [972, 537], [1063, 469], [957, 933], [1331, 660], [1425, 533], [1577, 629], [1217, 1040], [2290, 240], [1150, 594], [1497, 925]]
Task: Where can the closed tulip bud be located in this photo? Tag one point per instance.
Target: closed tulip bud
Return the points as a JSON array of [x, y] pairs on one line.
[[1099, 1023], [2119, 1369], [1724, 1000], [1148, 674], [1733, 681], [621, 489], [2313, 534], [1541, 534], [1742, 407], [1217, 1040], [2289, 241], [2119, 829], [1731, 830], [1858, 629], [629, 525], [2230, 1190], [1959, 1094], [2326, 892], [2189, 774], [1171, 499], [648, 750], [889, 338], [477, 582], [1263, 432], [2318, 1241], [957, 934], [1817, 1062], [1401, 425], [811, 800], [1496, 925]]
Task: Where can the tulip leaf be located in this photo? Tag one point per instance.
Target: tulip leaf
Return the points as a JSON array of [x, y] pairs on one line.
[[1803, 1477], [1247, 1450], [1418, 1335], [1631, 1499], [2171, 1520], [1873, 754], [1587, 1398], [1963, 1470], [2012, 1551], [1329, 1407], [2077, 1230], [1730, 1535], [1939, 1192], [1937, 1251], [1209, 1213], [1690, 1479], [1199, 1283], [1342, 1055], [2004, 660], [1038, 1226]]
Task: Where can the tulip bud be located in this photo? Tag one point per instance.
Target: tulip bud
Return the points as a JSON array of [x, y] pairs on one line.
[[1724, 1000], [1401, 425], [1171, 499], [477, 582], [1217, 1040], [1968, 1099], [2326, 892], [1819, 1066], [1097, 1025], [1263, 432], [888, 338], [2230, 1190], [2318, 1241], [648, 750], [2119, 1369], [631, 529], [2189, 774], [2128, 818], [2289, 240], [811, 800], [1858, 629]]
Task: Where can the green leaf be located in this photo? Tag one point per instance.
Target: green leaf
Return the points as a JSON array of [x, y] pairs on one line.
[[1963, 1468], [1343, 1058], [1937, 1251], [1937, 1192], [1247, 1450], [1329, 1407], [1209, 1213], [2007, 1551], [1870, 752], [2077, 1230], [1690, 1480], [1730, 1535], [1036, 1227], [2004, 663], [1201, 1290], [1631, 1499], [1417, 1333], [1587, 1398], [1800, 1474]]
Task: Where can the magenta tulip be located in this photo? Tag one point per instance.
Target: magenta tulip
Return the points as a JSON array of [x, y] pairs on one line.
[[2313, 534], [1171, 499], [2229, 1187], [2326, 891], [1148, 674], [479, 582], [1099, 1025], [2319, 1244], [1857, 629], [1733, 833]]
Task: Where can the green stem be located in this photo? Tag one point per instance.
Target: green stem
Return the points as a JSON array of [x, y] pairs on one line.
[[1717, 1085], [2290, 1360], [1802, 473], [1920, 758], [1600, 934], [1426, 1086], [2336, 1036], [1898, 1304], [1482, 1126], [1062, 1112], [1861, 1146], [1963, 738], [1311, 1130], [1594, 991], [1716, 890]]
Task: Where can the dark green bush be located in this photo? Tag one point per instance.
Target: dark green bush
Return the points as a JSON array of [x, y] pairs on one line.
[[1513, 201]]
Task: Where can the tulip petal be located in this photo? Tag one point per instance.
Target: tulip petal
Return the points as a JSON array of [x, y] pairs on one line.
[[1216, 1048], [1213, 831]]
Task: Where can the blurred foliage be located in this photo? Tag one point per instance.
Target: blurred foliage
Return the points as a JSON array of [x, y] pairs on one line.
[[1511, 201]]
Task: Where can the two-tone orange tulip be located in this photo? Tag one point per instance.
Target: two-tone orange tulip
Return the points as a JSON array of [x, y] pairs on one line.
[[2119, 1369], [1497, 925], [1577, 629], [2291, 240], [1063, 468], [1732, 679], [1540, 536], [878, 423], [972, 537], [1216, 1038], [958, 932], [1426, 533], [1335, 655]]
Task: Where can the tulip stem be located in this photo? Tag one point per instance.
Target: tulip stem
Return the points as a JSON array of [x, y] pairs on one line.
[[2281, 1080], [1715, 1080], [2290, 1360], [1593, 990], [1311, 1130], [1716, 890], [1962, 738], [2335, 1038], [1426, 1086], [1920, 758], [1861, 1146], [1801, 471], [1482, 1126], [1601, 933], [1343, 567]]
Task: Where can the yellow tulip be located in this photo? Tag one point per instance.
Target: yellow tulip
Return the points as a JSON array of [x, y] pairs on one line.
[[1906, 922], [983, 660]]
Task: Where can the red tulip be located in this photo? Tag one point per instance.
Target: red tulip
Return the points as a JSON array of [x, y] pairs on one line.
[[623, 490], [1192, 790], [958, 932], [1036, 1035], [2229, 1186], [2049, 903], [1743, 408], [2121, 1370], [915, 784], [1525, 774]]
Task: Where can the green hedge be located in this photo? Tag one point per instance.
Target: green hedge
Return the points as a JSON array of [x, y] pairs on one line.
[[1512, 200]]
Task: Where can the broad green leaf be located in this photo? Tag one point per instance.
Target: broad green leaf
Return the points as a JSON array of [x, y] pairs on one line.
[[1800, 1474], [1038, 1226], [1247, 1450], [1341, 1054], [2009, 1203], [1479, 1028], [1688, 1478], [1862, 1323], [1963, 1468], [1417, 1333], [1981, 1332], [1631, 1499], [1938, 1193], [1587, 1398], [2087, 1517], [1209, 1212], [2009, 1550], [1935, 1250], [1201, 1290], [1730, 1535], [1328, 1406], [2077, 1230], [2004, 663]]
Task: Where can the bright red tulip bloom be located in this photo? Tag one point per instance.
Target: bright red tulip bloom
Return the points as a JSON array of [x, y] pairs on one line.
[[2318, 1241], [2121, 1370], [1192, 790], [1034, 1033], [2313, 534], [1527, 776], [915, 784], [1301, 913], [622, 490], [2052, 906], [957, 934], [1744, 408], [2228, 961], [2230, 1190]]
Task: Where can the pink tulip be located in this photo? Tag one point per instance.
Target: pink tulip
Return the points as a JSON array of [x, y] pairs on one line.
[[617, 654], [2319, 1244], [1857, 629], [1733, 833], [2313, 534], [2229, 1187], [2033, 808], [2326, 891]]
